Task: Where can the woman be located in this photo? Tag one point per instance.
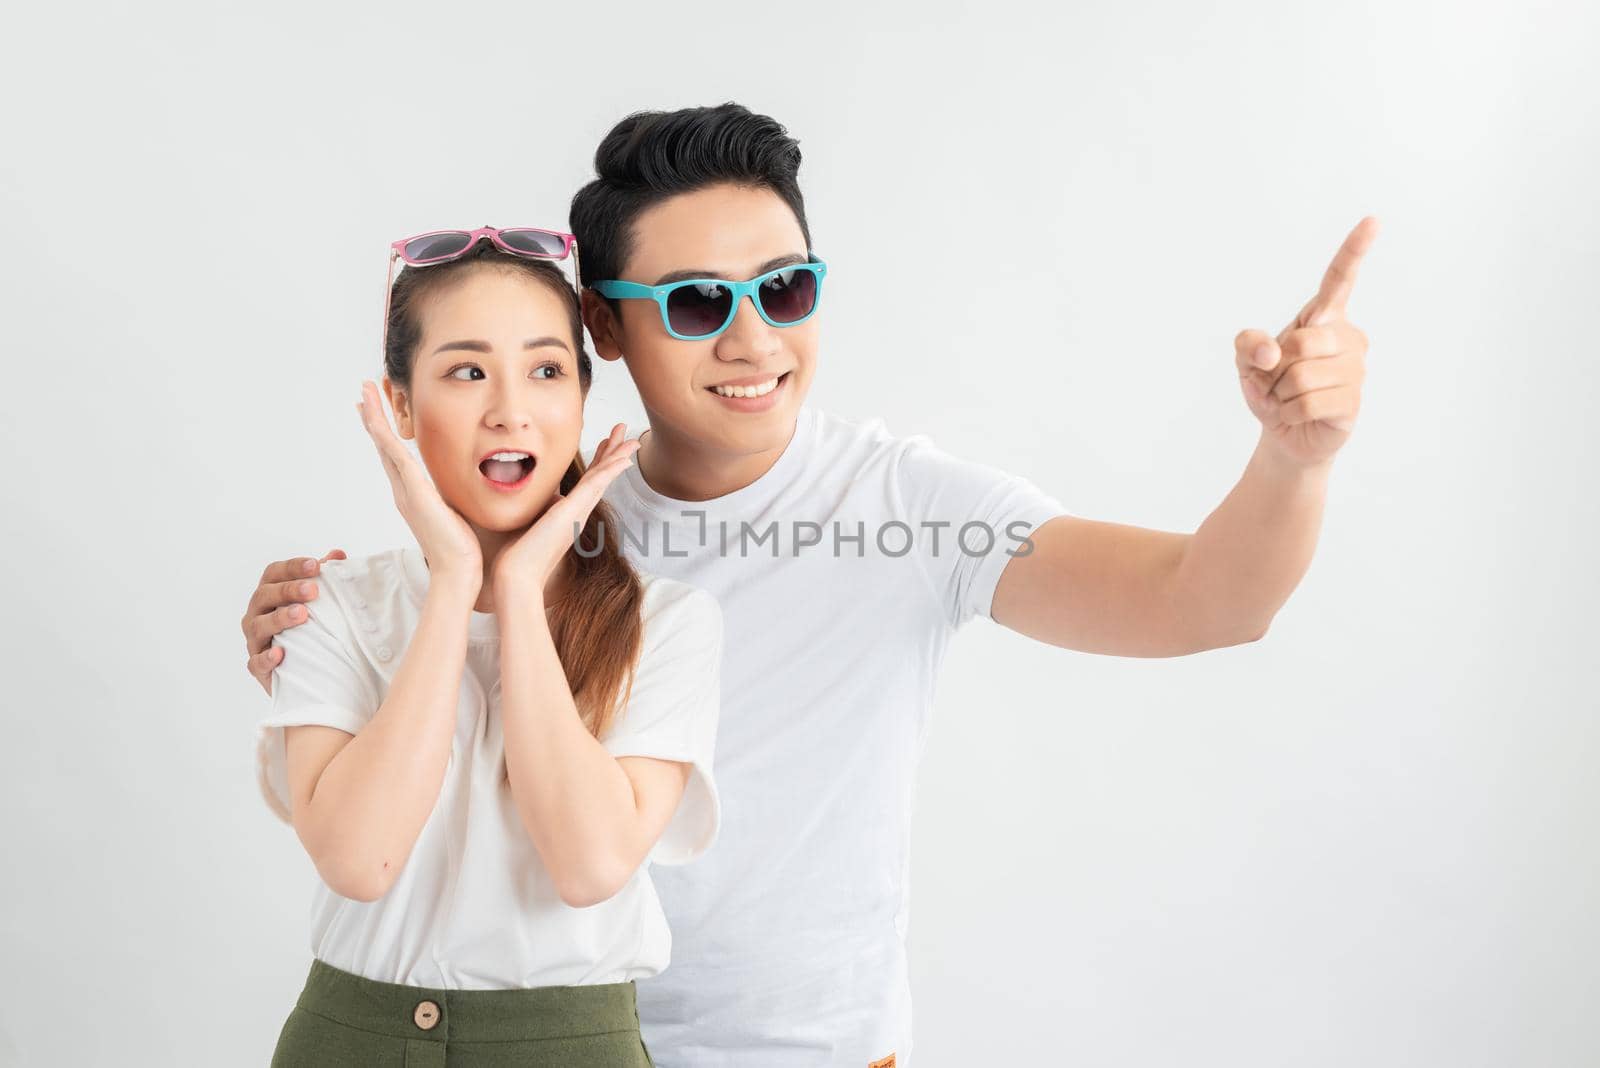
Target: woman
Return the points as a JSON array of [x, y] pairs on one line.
[[481, 740]]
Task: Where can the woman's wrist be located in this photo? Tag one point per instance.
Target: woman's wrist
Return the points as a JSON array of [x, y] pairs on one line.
[[517, 592], [454, 586]]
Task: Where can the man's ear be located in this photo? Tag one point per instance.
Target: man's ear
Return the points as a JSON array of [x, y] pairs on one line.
[[603, 326], [400, 401]]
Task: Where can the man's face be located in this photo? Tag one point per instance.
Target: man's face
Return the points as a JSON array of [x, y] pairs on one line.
[[733, 233]]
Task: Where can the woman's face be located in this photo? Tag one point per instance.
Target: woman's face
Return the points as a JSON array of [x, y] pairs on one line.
[[494, 374]]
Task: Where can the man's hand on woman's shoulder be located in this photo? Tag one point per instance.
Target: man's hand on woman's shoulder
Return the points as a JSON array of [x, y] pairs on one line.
[[278, 604]]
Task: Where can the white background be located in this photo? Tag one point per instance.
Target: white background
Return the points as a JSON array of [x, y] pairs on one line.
[[1368, 839]]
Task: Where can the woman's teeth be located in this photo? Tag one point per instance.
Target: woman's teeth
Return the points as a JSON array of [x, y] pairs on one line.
[[507, 466], [747, 391]]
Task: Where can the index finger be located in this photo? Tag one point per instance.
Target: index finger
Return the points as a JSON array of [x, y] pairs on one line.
[[600, 475], [376, 422], [284, 570], [1340, 276], [593, 484], [618, 433]]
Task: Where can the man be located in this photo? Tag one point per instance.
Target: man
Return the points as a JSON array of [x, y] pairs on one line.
[[844, 559]]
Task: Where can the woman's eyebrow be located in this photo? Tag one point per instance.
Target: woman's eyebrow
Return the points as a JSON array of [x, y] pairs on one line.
[[474, 345], [701, 272]]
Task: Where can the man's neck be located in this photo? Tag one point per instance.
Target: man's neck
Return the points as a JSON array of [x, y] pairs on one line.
[[686, 470]]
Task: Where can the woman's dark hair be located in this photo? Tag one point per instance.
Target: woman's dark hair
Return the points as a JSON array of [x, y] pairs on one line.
[[596, 623], [415, 283], [652, 155]]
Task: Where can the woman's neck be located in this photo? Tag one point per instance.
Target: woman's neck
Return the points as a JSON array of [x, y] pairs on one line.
[[491, 543]]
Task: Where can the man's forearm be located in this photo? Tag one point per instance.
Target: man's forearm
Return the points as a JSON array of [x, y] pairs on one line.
[[378, 791], [1245, 560], [576, 802]]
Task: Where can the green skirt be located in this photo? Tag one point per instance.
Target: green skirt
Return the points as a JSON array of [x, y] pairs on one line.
[[344, 1019]]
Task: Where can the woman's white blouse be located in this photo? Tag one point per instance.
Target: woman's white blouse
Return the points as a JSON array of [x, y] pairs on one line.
[[474, 907]]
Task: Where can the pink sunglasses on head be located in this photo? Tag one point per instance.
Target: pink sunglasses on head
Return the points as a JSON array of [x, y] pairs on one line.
[[442, 246]]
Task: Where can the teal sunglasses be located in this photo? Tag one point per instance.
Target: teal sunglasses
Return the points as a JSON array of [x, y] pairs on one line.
[[699, 308]]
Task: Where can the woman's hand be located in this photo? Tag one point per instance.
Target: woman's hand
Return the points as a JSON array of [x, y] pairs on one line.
[[528, 562], [447, 542]]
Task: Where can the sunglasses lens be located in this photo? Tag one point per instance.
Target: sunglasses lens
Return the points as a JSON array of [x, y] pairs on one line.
[[698, 310], [789, 296], [534, 242], [438, 246]]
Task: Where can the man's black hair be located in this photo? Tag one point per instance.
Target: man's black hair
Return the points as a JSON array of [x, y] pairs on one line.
[[652, 155]]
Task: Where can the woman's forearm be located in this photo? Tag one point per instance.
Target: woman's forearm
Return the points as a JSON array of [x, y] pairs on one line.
[[575, 801], [373, 798]]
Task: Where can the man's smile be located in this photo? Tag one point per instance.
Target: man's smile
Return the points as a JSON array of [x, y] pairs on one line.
[[753, 393]]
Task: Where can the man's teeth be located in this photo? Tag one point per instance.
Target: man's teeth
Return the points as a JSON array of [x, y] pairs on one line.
[[747, 391]]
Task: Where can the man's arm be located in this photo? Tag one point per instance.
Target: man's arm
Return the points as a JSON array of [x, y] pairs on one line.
[[1128, 591], [279, 603]]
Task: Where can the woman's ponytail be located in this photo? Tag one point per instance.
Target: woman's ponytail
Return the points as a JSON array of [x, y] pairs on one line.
[[596, 623]]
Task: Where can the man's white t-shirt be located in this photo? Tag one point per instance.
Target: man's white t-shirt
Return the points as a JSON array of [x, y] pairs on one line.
[[474, 907], [789, 937]]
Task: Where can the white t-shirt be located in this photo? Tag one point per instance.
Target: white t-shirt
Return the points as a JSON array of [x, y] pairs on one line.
[[474, 907], [789, 938]]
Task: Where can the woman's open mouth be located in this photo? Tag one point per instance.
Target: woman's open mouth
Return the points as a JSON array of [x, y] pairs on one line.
[[507, 469]]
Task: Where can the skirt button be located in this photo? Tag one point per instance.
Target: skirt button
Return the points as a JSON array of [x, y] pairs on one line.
[[427, 1015]]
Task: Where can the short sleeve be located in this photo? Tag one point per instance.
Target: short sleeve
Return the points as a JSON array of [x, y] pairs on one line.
[[970, 520], [322, 681], [673, 707]]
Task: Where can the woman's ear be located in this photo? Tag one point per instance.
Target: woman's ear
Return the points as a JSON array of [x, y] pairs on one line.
[[400, 401], [603, 326]]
